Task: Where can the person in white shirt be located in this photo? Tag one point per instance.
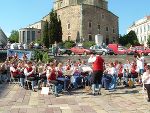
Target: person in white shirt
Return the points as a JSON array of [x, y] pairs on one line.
[[140, 65], [146, 81], [29, 73]]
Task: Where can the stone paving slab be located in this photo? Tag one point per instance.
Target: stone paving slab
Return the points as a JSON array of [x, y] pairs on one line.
[[14, 99]]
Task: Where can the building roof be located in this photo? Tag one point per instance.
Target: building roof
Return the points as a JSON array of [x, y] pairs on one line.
[[29, 29], [3, 37], [140, 21]]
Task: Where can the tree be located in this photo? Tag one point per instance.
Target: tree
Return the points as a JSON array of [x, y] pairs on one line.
[[129, 39], [59, 32], [45, 34], [132, 38], [14, 37], [55, 29]]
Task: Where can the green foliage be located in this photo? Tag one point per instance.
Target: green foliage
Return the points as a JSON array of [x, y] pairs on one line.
[[148, 41], [39, 40], [38, 55], [128, 45], [55, 29], [88, 44], [14, 37], [42, 56], [69, 44], [46, 58], [45, 35], [129, 38]]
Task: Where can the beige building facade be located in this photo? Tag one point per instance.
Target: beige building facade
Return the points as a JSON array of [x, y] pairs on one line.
[[28, 35], [83, 19], [142, 29]]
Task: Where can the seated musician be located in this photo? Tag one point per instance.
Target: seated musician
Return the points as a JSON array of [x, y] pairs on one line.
[[110, 77], [29, 73], [42, 75], [62, 79], [52, 77], [60, 70], [14, 71]]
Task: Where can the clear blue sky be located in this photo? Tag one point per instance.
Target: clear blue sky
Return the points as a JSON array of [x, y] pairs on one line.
[[15, 14]]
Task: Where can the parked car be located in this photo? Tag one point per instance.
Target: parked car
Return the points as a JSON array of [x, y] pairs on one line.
[[63, 51], [131, 51], [102, 50], [142, 49], [81, 50], [118, 50]]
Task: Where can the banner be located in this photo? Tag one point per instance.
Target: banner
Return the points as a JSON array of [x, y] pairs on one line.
[[19, 53]]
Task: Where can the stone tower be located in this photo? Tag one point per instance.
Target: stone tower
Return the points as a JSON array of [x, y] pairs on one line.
[[83, 19], [63, 3]]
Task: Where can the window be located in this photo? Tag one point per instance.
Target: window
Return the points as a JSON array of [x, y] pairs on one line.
[[61, 4], [103, 16], [141, 39], [141, 29], [28, 36], [68, 26], [33, 35], [144, 29], [137, 31], [69, 37], [90, 24], [145, 38], [24, 37], [148, 27], [106, 28], [99, 27], [113, 30], [90, 37]]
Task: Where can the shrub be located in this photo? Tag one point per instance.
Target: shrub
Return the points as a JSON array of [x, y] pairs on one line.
[[88, 44], [46, 58], [69, 44], [42, 56]]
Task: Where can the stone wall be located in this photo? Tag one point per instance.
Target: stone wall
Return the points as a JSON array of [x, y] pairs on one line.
[[70, 15], [104, 18]]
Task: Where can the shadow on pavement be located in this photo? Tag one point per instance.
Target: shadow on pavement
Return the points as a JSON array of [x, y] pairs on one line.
[[123, 92]]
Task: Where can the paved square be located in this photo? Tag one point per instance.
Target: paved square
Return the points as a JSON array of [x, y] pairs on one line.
[[14, 99]]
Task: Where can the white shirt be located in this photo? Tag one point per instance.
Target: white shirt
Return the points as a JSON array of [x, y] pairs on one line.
[[12, 69], [112, 71], [146, 78], [140, 63], [48, 71], [92, 59], [26, 73]]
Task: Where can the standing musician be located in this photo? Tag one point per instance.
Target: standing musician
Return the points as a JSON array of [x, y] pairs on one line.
[[20, 69], [98, 67]]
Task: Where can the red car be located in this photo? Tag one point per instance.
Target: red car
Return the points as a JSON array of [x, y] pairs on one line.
[[118, 50], [131, 51], [142, 49], [81, 50]]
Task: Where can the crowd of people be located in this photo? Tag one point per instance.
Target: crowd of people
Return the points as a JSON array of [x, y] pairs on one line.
[[94, 72]]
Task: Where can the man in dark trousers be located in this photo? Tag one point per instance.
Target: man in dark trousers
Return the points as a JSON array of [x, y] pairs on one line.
[[98, 67]]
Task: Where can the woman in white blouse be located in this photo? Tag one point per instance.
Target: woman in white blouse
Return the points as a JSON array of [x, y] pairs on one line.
[[146, 81]]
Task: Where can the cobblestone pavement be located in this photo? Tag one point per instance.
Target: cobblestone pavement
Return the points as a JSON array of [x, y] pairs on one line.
[[14, 99]]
